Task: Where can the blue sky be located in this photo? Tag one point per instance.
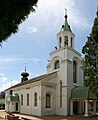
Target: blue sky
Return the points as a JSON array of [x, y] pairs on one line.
[[36, 37]]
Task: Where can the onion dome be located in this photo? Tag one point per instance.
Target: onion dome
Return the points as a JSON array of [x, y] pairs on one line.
[[25, 74]]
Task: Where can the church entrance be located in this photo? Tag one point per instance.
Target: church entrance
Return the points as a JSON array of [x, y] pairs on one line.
[[75, 107], [16, 106]]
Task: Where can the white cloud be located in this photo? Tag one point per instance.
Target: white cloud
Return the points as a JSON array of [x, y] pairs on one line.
[[10, 60], [77, 19], [54, 9], [14, 82], [1, 74], [3, 79], [4, 83], [49, 16], [32, 29], [35, 60]]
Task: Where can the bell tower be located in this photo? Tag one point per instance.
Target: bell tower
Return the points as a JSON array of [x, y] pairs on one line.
[[66, 62], [65, 37], [65, 45]]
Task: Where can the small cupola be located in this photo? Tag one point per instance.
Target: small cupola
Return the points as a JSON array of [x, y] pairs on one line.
[[24, 75], [65, 36], [66, 26]]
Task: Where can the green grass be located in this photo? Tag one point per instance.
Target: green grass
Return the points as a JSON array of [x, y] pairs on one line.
[[1, 118]]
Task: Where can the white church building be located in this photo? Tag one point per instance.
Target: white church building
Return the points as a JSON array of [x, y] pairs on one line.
[[61, 90]]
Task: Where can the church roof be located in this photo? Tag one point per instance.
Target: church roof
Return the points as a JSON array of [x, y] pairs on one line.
[[39, 78]]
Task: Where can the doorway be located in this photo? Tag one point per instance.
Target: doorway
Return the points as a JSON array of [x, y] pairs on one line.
[[16, 106], [75, 107]]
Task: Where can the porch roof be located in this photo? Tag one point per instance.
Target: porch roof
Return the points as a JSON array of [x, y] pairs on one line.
[[14, 98], [82, 93]]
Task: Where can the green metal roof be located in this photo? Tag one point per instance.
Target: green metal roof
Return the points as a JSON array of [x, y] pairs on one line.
[[14, 98], [82, 93], [66, 26]]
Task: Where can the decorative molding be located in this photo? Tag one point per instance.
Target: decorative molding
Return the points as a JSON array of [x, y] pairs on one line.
[[70, 48], [65, 47], [64, 86], [48, 84], [51, 76], [66, 61], [28, 88]]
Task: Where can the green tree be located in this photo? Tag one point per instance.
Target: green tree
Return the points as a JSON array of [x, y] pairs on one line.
[[2, 94], [12, 13], [90, 61]]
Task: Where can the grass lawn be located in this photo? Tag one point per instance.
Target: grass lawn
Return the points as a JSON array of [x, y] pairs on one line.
[[1, 118]]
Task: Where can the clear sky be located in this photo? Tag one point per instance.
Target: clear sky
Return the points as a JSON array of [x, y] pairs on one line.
[[36, 37]]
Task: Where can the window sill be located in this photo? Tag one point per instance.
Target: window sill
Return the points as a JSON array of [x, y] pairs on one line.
[[55, 70], [35, 107], [75, 84], [48, 109], [28, 107]]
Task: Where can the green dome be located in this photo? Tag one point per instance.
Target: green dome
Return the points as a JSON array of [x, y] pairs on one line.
[[24, 74]]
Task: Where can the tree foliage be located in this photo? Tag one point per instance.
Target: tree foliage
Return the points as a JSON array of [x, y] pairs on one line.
[[2, 94], [90, 61], [12, 13]]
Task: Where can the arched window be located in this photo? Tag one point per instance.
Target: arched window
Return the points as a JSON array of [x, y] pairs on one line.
[[71, 41], [21, 99], [48, 100], [60, 94], [35, 99], [74, 72], [57, 64], [27, 99], [60, 40], [66, 41]]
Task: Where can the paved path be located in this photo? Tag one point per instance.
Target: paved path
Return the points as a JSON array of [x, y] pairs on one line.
[[75, 117]]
